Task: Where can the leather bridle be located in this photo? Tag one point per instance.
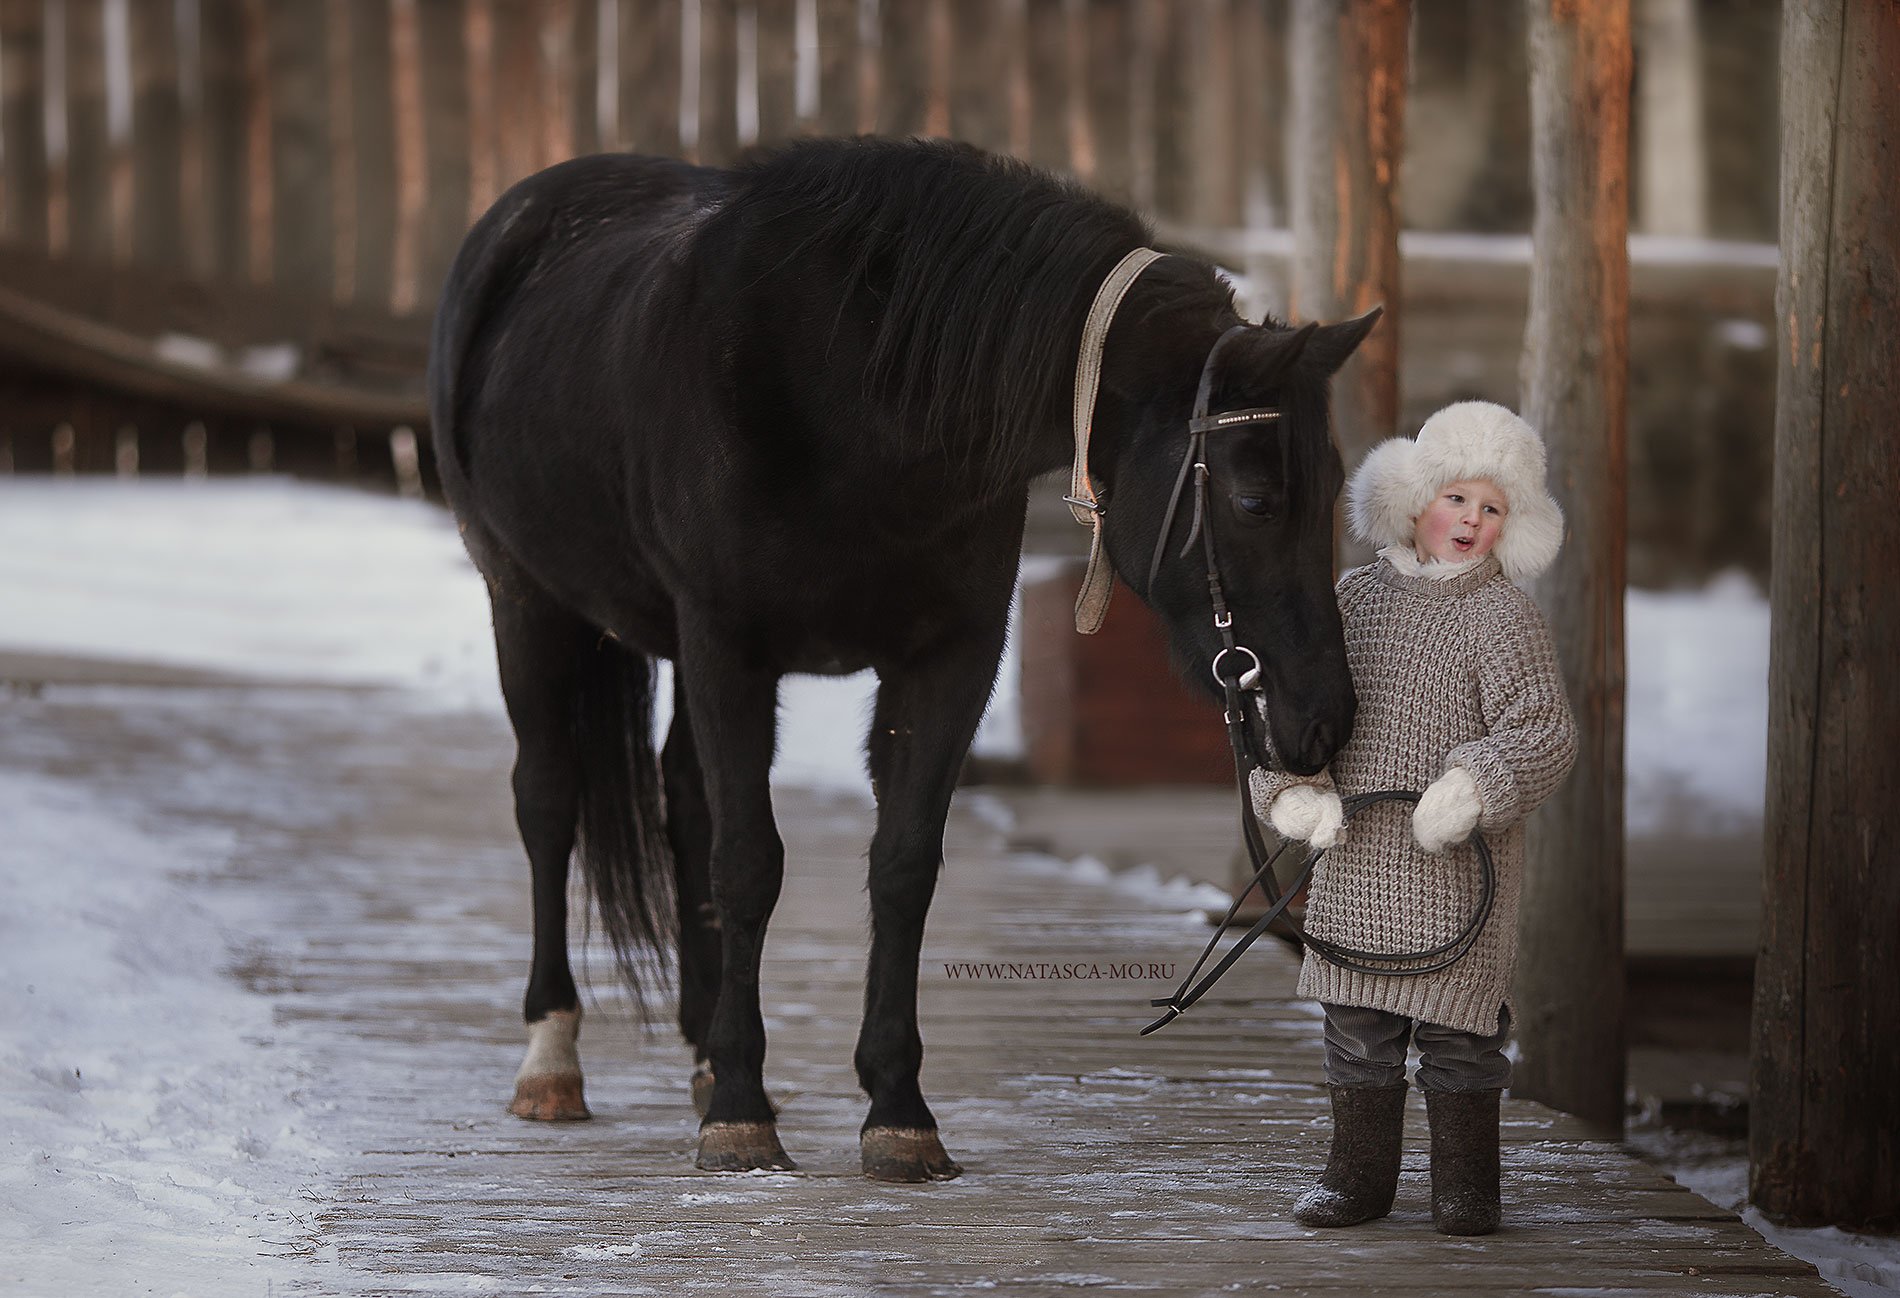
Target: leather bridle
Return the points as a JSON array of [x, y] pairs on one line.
[[1239, 684]]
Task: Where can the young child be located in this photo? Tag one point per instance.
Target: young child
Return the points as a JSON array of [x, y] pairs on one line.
[[1459, 696]]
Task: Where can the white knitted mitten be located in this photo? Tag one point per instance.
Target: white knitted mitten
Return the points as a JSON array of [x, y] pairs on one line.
[[1447, 811], [1309, 814]]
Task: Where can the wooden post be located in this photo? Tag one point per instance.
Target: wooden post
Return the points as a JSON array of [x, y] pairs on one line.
[[650, 77], [1824, 1108], [216, 131], [445, 131], [1575, 372], [88, 155], [1047, 45], [1108, 69], [979, 109], [1207, 80], [372, 172], [838, 67], [777, 36], [1348, 77]]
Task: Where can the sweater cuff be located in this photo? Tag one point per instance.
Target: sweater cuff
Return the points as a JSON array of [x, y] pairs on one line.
[[1497, 786], [1264, 786]]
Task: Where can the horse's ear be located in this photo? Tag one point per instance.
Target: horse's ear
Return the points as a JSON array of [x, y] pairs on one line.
[[1333, 343], [1273, 354]]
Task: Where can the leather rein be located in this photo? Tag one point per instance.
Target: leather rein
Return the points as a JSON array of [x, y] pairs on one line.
[[1240, 681]]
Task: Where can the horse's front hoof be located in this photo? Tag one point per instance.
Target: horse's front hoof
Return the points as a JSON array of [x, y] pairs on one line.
[[741, 1147], [550, 1097], [907, 1154]]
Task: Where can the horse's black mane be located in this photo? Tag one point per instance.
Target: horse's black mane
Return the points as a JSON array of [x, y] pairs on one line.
[[984, 267]]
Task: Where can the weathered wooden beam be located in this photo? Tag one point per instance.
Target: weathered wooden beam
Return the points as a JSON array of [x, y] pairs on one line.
[[650, 76], [1348, 75], [1824, 1111], [1575, 372]]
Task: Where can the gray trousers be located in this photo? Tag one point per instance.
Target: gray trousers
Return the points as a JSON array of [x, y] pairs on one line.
[[1367, 1048]]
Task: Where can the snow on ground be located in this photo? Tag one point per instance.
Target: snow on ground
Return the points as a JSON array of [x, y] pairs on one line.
[[289, 579], [192, 1158]]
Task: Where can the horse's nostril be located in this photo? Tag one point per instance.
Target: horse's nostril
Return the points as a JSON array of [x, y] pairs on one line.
[[1319, 744]]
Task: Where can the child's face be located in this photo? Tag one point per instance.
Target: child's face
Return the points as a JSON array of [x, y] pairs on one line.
[[1463, 521]]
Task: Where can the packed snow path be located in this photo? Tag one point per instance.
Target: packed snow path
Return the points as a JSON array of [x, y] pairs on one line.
[[319, 893]]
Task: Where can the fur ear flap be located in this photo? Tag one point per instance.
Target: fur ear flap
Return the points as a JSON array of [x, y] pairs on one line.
[[1383, 497], [1335, 342]]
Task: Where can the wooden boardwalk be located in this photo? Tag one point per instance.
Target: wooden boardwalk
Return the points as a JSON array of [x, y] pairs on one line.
[[1093, 1158]]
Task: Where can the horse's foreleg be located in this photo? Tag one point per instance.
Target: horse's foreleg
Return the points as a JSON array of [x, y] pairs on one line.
[[689, 831], [536, 647], [926, 717], [733, 712]]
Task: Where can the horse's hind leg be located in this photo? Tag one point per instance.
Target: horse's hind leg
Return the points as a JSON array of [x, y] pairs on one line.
[[926, 716], [538, 646], [689, 831], [732, 707]]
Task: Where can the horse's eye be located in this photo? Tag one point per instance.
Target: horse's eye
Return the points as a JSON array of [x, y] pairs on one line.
[[1255, 505]]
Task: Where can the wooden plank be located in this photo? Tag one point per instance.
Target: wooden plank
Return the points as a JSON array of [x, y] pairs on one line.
[[373, 153], [583, 79], [23, 165], [650, 76], [776, 28], [519, 104], [157, 117], [1211, 146], [1576, 370], [88, 163], [446, 91], [303, 209], [218, 137], [1108, 66], [1046, 48], [1260, 111], [837, 67], [556, 109], [1169, 145], [979, 106], [1824, 1111], [410, 155], [717, 138], [904, 58]]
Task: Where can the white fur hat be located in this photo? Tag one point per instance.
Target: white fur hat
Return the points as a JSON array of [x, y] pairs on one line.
[[1471, 439]]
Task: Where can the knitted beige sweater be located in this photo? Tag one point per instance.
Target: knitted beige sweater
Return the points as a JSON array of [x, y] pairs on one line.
[[1450, 671]]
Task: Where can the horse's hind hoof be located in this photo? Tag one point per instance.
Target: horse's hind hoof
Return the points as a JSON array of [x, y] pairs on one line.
[[741, 1147], [550, 1097], [907, 1154]]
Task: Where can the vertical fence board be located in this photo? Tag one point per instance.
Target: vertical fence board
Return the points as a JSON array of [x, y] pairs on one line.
[[718, 138], [979, 107], [650, 76], [373, 173], [157, 114], [903, 68], [1170, 141], [88, 152], [1208, 80], [484, 148], [23, 123], [446, 90], [583, 79], [1260, 107], [517, 89], [555, 103], [837, 67], [259, 200], [777, 25], [222, 137], [1047, 49], [1109, 68], [302, 208], [411, 162]]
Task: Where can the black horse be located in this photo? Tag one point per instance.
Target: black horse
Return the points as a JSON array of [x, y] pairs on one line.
[[781, 418]]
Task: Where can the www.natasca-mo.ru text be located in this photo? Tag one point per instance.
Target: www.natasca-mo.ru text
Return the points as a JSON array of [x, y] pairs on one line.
[[1057, 970]]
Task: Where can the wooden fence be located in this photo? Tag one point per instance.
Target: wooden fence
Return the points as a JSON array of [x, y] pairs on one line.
[[237, 176]]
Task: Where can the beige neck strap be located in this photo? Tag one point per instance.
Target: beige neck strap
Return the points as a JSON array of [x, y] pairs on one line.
[[1091, 604]]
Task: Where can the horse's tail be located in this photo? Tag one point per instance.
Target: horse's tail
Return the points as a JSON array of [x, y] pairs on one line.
[[622, 846]]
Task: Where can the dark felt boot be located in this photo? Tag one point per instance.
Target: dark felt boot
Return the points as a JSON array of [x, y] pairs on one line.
[[1464, 1161], [1362, 1171]]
